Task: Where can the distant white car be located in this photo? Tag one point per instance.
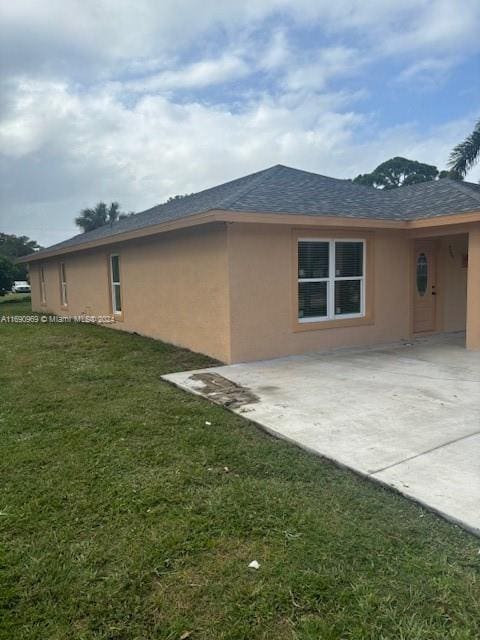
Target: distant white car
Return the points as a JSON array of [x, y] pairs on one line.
[[21, 286]]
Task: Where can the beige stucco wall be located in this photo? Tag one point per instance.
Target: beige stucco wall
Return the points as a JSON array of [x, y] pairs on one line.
[[87, 284], [174, 287], [227, 289], [452, 283], [261, 288]]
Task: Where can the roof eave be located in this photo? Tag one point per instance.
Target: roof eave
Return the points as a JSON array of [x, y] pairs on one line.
[[190, 221], [314, 220], [439, 221], [262, 218]]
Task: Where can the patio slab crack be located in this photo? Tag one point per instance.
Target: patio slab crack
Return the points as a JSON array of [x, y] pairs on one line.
[[424, 453]]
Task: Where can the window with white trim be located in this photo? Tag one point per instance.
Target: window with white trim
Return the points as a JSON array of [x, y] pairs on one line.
[[331, 279], [63, 285], [43, 286], [115, 279]]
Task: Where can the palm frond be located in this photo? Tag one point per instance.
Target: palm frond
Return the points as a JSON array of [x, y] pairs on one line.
[[465, 155]]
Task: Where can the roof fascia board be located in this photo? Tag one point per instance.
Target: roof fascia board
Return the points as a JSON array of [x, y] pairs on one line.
[[259, 218], [440, 221], [191, 221], [434, 232], [310, 220], [337, 221]]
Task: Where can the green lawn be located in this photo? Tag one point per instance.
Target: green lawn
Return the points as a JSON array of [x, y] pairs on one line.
[[15, 297], [124, 515]]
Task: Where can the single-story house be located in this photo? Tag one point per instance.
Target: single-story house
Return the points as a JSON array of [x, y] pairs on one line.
[[278, 262]]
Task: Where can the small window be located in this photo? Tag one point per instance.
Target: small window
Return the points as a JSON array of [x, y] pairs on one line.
[[331, 279], [422, 274], [63, 285], [43, 286], [115, 277]]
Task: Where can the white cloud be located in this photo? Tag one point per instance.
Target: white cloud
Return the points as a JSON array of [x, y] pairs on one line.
[[88, 108], [196, 75], [427, 72], [79, 148], [329, 63], [86, 36], [277, 53], [439, 26]]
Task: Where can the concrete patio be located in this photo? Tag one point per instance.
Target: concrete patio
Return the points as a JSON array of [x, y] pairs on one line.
[[406, 415]]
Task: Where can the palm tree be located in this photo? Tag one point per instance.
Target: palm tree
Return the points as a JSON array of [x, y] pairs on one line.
[[99, 216], [466, 154]]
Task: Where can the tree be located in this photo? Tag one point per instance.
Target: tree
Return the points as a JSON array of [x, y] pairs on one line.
[[178, 197], [398, 172], [466, 154], [99, 216], [13, 247], [7, 274], [445, 173]]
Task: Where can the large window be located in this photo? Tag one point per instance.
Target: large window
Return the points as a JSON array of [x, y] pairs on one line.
[[115, 278], [43, 286], [331, 279], [63, 285]]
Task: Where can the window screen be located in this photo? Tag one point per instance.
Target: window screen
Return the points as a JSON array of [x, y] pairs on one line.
[[313, 259], [331, 281], [43, 286], [347, 297], [348, 259], [312, 299], [116, 288], [63, 284]]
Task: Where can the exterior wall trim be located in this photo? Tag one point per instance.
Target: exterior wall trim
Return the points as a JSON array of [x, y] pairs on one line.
[[473, 290]]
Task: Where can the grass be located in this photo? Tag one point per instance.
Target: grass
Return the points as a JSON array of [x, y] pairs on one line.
[[120, 521], [14, 297]]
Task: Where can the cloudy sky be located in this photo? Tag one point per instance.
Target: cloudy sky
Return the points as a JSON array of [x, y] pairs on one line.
[[138, 100]]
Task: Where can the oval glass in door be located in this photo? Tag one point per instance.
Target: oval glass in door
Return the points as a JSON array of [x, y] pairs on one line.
[[422, 274]]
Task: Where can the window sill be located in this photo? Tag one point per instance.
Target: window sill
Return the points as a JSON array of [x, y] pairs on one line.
[[332, 324], [118, 316]]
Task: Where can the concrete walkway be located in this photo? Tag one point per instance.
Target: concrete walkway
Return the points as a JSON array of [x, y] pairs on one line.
[[407, 415]]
